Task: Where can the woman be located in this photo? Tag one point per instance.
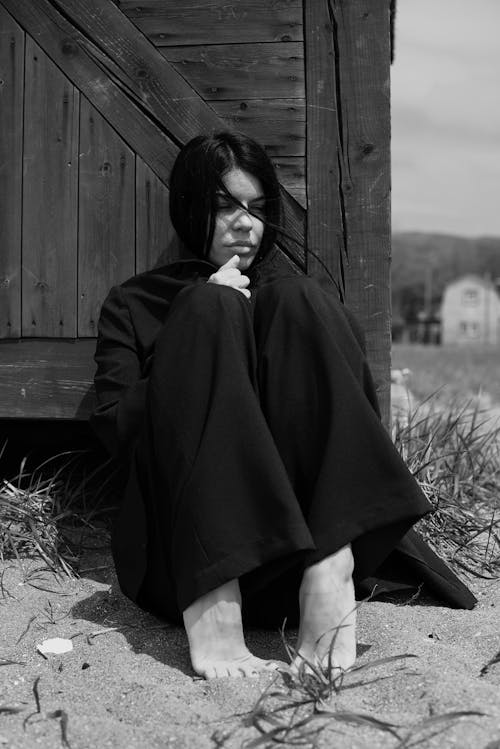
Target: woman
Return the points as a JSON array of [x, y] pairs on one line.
[[259, 476]]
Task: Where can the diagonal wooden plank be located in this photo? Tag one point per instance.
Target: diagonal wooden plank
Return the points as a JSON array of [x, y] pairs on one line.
[[130, 83]]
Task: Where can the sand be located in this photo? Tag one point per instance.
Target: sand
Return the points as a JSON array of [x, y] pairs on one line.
[[128, 683]]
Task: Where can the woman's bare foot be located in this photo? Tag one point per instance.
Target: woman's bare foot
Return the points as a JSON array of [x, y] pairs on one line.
[[215, 633], [328, 613]]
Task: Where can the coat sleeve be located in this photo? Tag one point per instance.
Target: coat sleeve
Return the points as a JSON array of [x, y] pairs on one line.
[[119, 383]]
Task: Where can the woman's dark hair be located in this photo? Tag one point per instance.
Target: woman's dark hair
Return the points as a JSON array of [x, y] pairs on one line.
[[196, 179]]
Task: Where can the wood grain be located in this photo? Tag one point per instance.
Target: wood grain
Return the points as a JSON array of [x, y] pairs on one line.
[[325, 235], [50, 200], [167, 22], [362, 42], [278, 124], [44, 379], [291, 174], [11, 144], [131, 84], [107, 216], [223, 71], [154, 230]]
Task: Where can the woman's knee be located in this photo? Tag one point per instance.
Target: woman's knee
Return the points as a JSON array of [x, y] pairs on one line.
[[205, 310], [202, 298], [292, 289], [300, 297]]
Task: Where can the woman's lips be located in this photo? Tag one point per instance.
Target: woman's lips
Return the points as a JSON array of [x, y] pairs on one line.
[[243, 247]]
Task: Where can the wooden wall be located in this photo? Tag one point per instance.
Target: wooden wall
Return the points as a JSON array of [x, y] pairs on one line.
[[96, 99]]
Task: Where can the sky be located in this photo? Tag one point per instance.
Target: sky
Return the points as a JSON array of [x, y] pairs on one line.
[[446, 117]]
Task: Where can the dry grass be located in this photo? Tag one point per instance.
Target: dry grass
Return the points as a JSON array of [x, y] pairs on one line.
[[455, 455], [44, 510]]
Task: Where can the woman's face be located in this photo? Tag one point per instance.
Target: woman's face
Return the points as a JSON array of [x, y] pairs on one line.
[[236, 231]]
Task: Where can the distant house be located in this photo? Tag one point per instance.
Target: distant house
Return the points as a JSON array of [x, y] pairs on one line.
[[470, 311]]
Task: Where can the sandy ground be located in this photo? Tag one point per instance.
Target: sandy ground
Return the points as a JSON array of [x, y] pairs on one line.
[[133, 686]]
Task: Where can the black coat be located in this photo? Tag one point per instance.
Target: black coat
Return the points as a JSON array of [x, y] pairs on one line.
[[132, 317]]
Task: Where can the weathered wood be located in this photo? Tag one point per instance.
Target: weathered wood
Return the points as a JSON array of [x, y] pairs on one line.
[[167, 22], [325, 230], [50, 199], [154, 230], [278, 124], [106, 215], [361, 138], [11, 143], [46, 379], [131, 84], [291, 173], [223, 71]]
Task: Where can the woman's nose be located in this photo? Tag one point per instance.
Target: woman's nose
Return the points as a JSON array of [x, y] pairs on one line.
[[243, 220]]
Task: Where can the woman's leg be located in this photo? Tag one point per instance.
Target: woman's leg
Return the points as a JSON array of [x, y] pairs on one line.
[[319, 401], [228, 508]]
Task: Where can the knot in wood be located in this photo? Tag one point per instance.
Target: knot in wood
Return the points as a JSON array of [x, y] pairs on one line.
[[69, 47], [367, 148], [142, 73], [243, 105], [105, 169]]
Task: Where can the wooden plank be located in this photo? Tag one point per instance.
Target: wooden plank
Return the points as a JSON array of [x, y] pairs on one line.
[[107, 215], [46, 379], [132, 85], [360, 61], [278, 124], [154, 230], [364, 29], [11, 144], [291, 173], [50, 200], [223, 71], [167, 22], [325, 230]]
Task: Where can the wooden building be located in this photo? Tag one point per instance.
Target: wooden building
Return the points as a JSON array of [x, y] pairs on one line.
[[470, 311], [97, 96]]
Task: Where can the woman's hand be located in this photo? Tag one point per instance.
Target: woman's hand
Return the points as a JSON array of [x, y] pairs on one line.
[[230, 275]]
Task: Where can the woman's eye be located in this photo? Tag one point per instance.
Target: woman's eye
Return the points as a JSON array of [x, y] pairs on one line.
[[259, 209], [224, 205]]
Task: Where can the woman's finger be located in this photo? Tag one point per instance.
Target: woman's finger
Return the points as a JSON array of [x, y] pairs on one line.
[[231, 263]]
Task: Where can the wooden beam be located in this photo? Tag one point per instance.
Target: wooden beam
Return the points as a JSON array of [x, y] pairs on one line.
[[47, 379], [131, 84], [363, 40], [325, 230], [349, 178]]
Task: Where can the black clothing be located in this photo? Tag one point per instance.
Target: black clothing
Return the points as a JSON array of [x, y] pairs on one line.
[[252, 440]]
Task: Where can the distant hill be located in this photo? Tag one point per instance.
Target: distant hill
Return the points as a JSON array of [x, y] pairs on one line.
[[422, 265]]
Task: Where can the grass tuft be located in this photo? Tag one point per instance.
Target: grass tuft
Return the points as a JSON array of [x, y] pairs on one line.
[[300, 703], [454, 453], [41, 509]]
